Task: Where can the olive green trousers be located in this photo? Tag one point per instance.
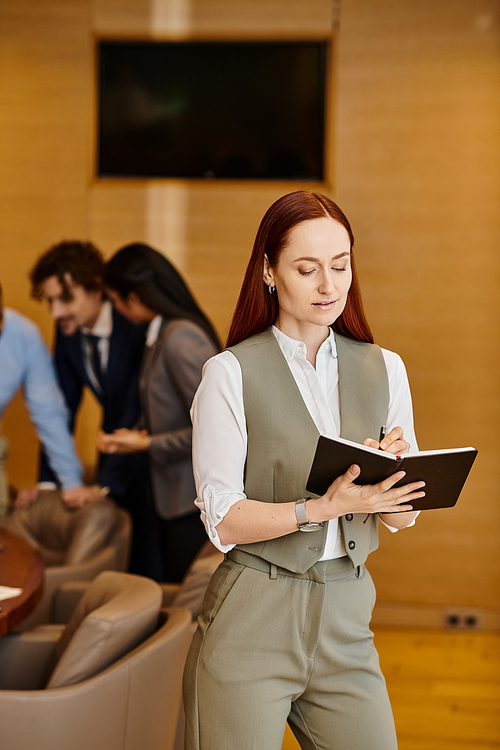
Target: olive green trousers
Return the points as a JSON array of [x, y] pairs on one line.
[[273, 646]]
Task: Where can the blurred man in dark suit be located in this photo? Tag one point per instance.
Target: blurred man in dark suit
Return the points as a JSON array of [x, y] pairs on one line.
[[95, 347]]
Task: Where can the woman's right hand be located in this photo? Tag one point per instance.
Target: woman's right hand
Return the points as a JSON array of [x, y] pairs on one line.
[[123, 441], [343, 496]]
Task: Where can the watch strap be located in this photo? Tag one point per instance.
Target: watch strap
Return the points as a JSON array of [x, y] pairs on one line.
[[301, 516]]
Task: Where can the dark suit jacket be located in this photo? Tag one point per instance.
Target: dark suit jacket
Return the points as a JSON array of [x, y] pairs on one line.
[[120, 401], [170, 375]]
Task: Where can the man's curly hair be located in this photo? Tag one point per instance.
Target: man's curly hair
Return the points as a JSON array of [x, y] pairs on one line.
[[81, 260]]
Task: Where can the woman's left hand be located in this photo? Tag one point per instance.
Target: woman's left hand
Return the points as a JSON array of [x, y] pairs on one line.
[[393, 442], [123, 441]]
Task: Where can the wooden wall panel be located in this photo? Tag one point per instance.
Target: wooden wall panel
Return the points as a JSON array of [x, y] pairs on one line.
[[117, 214], [215, 17], [206, 230], [223, 221], [45, 89], [417, 170]]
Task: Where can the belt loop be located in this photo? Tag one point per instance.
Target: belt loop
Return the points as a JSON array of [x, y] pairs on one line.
[[358, 571], [273, 571], [226, 556]]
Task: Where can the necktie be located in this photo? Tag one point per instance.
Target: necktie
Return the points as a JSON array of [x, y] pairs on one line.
[[95, 361]]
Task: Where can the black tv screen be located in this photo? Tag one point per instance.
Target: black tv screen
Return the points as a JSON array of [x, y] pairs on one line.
[[231, 110]]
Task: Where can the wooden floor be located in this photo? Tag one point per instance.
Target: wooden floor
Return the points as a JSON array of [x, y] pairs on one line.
[[444, 688]]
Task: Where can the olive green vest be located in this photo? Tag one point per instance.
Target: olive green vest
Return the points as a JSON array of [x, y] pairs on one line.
[[282, 439]]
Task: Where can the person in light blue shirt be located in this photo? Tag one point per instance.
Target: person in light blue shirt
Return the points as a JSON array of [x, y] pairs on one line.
[[25, 363]]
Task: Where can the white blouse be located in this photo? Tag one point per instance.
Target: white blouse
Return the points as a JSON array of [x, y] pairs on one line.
[[219, 426]]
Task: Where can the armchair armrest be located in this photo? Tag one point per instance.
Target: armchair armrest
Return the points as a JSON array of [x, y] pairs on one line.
[[65, 599], [57, 575], [25, 659], [195, 583], [169, 591]]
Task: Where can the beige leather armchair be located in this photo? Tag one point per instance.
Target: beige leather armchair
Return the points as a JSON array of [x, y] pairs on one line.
[[191, 591], [190, 594], [110, 679], [75, 545]]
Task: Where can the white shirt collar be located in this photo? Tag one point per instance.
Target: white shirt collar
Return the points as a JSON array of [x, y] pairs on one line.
[[290, 347], [153, 330], [103, 327]]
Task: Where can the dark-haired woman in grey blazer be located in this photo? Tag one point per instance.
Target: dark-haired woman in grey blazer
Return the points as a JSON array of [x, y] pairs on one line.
[[145, 287]]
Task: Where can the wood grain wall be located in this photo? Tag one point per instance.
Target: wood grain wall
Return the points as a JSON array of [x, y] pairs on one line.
[[418, 169], [413, 160]]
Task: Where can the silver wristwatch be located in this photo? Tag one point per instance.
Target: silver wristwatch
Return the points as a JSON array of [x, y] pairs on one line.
[[302, 519]]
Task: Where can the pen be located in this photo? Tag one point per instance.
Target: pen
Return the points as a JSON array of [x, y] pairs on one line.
[[382, 434]]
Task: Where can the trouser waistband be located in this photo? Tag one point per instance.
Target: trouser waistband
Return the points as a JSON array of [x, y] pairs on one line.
[[326, 570]]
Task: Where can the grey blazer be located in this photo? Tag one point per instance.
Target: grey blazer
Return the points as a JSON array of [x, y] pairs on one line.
[[171, 373]]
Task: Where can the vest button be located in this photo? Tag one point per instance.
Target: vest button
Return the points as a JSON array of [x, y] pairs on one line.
[[352, 545], [314, 549], [349, 517]]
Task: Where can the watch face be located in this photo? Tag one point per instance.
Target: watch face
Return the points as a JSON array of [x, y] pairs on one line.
[[310, 526]]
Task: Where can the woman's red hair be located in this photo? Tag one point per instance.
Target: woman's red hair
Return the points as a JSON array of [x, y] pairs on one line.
[[256, 309]]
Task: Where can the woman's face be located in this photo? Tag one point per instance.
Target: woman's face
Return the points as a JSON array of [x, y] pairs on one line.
[[312, 276], [132, 308]]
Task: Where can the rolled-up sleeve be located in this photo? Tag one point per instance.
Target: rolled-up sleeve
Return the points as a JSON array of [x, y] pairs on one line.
[[219, 442]]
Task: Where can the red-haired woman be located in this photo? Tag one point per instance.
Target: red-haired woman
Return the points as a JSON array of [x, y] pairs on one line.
[[284, 633]]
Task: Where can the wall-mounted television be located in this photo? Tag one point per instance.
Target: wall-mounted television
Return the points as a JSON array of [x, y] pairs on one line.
[[212, 109]]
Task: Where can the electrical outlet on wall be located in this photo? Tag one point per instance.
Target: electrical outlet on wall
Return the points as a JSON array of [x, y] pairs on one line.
[[463, 618]]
